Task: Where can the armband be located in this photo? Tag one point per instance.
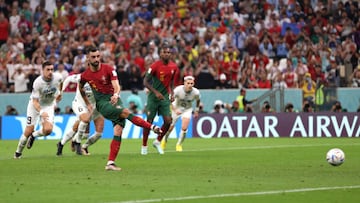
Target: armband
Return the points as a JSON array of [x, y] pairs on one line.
[[116, 94]]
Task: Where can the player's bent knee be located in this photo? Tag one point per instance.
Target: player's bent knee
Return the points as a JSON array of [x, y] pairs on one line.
[[47, 131], [184, 129], [28, 131], [125, 113], [85, 118]]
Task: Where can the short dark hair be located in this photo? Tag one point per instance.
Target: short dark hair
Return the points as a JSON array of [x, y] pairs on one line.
[[46, 63], [165, 45], [91, 49]]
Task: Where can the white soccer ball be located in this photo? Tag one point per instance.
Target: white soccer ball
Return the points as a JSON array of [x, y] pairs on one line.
[[335, 157]]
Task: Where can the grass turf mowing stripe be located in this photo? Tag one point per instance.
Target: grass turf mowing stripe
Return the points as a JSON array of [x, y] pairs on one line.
[[229, 148], [269, 147], [272, 192]]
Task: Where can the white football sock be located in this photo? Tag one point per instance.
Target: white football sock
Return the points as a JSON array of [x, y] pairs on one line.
[[92, 139], [21, 144], [81, 130], [181, 137], [67, 137]]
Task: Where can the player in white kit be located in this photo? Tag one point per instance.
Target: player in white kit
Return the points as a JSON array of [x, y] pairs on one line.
[[46, 92], [182, 106], [80, 128]]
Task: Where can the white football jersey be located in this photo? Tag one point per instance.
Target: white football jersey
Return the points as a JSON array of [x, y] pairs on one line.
[[76, 79], [183, 100], [45, 91]]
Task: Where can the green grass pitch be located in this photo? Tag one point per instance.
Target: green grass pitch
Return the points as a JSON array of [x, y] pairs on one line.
[[208, 170]]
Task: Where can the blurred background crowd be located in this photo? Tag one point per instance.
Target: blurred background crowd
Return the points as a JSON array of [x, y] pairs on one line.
[[248, 44]]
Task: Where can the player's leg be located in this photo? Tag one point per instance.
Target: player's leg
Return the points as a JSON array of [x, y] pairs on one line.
[[184, 126], [32, 117], [124, 113], [139, 121], [23, 140], [118, 114], [68, 136], [99, 127], [115, 147], [83, 124], [47, 120], [165, 112], [164, 140], [71, 133], [147, 126], [150, 110]]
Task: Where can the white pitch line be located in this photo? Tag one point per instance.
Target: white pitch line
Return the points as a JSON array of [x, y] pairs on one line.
[[269, 147], [271, 192]]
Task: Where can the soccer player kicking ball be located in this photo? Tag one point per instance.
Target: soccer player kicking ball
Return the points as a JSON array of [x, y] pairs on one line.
[[43, 98], [184, 96], [105, 86]]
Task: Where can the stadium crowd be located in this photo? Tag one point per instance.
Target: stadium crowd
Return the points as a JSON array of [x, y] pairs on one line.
[[223, 43]]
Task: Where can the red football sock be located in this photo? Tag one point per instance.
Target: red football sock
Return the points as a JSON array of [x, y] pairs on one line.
[[114, 148], [146, 133], [139, 121], [164, 129]]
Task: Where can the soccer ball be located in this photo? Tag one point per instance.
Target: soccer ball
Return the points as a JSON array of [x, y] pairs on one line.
[[335, 157]]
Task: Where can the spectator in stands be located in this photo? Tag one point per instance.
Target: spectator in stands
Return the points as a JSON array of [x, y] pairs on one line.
[[273, 70], [307, 106], [238, 39], [134, 102], [289, 107], [20, 79], [233, 108], [266, 107], [57, 111], [336, 107], [4, 28], [250, 27], [248, 78], [11, 111], [201, 109], [356, 77], [263, 82], [290, 76], [308, 87], [279, 82], [68, 110], [62, 71], [219, 107], [135, 79], [252, 43], [282, 49], [332, 73], [223, 82], [205, 75]]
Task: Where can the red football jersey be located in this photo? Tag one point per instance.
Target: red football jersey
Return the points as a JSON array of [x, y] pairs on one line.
[[164, 73], [100, 80]]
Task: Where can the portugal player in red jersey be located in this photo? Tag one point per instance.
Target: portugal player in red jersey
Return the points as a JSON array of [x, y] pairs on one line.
[[105, 86], [160, 79]]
